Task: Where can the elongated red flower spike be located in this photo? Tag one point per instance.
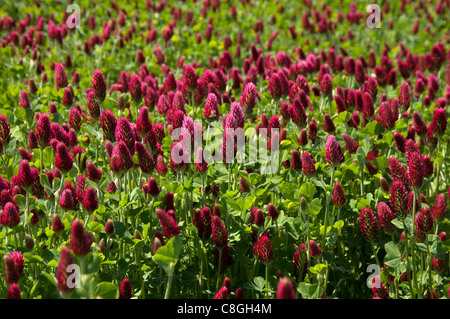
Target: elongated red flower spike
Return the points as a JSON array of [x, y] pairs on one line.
[[399, 199], [238, 115], [340, 105], [308, 165], [80, 241], [338, 196], [328, 124], [263, 250], [143, 122], [60, 76], [368, 224], [439, 122], [415, 170], [67, 99], [146, 162], [350, 144], [108, 122], [24, 100], [66, 202], [90, 200], [302, 138], [298, 115], [75, 120], [300, 261], [57, 224], [314, 249], [285, 289], [99, 86], [275, 87], [153, 188], [404, 98], [161, 166], [14, 292], [62, 273], [399, 141], [24, 177], [272, 211], [326, 85], [200, 163], [222, 293], [387, 117], [360, 75], [168, 223], [381, 292], [5, 134], [333, 152], [211, 109], [248, 99], [386, 216], [424, 223], [94, 174], [124, 133], [219, 232], [125, 291], [439, 209], [202, 220], [296, 162], [398, 171], [63, 160]]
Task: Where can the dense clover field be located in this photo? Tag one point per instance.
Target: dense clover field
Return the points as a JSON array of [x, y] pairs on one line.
[[224, 149]]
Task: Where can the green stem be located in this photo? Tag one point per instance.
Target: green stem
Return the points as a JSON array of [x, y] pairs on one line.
[[169, 283], [218, 273]]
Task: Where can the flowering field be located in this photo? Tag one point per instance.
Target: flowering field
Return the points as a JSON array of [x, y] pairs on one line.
[[224, 149]]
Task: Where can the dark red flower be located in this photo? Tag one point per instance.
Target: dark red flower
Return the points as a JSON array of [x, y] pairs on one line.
[[328, 124], [314, 249], [90, 200], [25, 178], [57, 224], [368, 224], [263, 250], [338, 196], [308, 165], [399, 199], [10, 216], [296, 162], [219, 233], [404, 98], [124, 133], [272, 211], [63, 160], [14, 292], [386, 216], [168, 223], [66, 201], [439, 209], [333, 153], [350, 144], [222, 293], [285, 289], [202, 220], [24, 100], [80, 241], [125, 291], [99, 86]]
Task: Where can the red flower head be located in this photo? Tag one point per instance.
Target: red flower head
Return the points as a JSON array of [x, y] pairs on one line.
[[168, 223], [384, 184], [416, 170], [153, 188], [67, 99], [80, 241], [202, 220], [285, 289], [60, 76], [219, 233], [263, 250], [5, 135], [350, 144], [161, 166], [338, 196], [57, 224], [314, 249], [135, 89], [275, 87], [143, 123], [399, 199], [75, 119], [200, 163], [272, 211], [298, 114], [248, 99], [333, 153], [10, 216], [398, 172], [90, 201], [94, 174], [146, 161], [328, 124], [308, 165], [63, 160], [108, 122], [124, 133], [439, 122], [439, 209], [360, 75], [340, 105], [125, 289], [399, 141], [24, 100], [14, 292], [424, 222], [386, 216], [66, 201], [381, 292], [238, 114], [387, 116], [404, 98], [222, 293], [368, 224], [14, 264], [24, 177], [326, 85], [99, 86], [211, 110], [121, 160], [296, 162], [302, 138]]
